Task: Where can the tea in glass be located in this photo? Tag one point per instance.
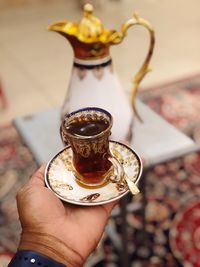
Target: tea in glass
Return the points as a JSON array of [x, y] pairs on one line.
[[87, 131]]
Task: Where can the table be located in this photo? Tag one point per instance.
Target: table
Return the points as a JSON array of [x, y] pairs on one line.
[[155, 140]]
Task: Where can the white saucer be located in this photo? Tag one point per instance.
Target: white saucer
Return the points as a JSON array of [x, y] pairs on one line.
[[59, 177]]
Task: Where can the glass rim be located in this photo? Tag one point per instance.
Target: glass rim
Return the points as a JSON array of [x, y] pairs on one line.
[[84, 137]]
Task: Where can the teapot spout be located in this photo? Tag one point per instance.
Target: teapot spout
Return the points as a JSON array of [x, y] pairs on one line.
[[60, 27]]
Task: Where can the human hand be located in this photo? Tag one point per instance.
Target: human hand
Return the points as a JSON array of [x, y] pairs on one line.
[[64, 232]]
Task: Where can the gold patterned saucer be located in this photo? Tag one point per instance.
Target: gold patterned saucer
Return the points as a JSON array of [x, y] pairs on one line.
[[60, 178]]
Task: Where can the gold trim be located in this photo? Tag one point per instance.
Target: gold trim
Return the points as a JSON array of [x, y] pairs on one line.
[[81, 73], [89, 30], [98, 72], [144, 69], [91, 197], [90, 40]]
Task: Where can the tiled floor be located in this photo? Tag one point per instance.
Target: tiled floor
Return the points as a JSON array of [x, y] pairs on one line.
[[35, 64]]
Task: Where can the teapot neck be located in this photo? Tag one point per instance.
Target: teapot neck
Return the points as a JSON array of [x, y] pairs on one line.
[[92, 63], [87, 51]]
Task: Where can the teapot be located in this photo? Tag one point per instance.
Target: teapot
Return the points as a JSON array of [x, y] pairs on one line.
[[93, 82]]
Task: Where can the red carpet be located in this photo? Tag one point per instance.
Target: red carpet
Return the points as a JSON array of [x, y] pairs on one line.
[[16, 166], [172, 188]]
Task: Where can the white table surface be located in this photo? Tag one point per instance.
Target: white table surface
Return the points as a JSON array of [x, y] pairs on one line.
[[155, 139]]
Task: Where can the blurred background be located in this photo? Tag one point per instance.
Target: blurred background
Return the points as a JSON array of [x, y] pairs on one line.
[[36, 64], [35, 67]]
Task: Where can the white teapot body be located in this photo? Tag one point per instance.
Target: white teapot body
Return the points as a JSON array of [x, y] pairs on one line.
[[94, 84]]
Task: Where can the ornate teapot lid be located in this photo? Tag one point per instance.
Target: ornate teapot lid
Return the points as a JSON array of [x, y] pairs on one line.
[[89, 30], [89, 38]]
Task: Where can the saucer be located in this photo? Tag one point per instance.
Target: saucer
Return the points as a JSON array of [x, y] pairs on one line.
[[60, 178]]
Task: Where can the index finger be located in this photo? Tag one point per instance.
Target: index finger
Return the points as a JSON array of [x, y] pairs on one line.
[[109, 206]]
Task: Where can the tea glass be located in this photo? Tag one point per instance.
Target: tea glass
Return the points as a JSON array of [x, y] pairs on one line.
[[93, 162]]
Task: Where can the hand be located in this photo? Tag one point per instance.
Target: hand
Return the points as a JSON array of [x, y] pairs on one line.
[[65, 232]]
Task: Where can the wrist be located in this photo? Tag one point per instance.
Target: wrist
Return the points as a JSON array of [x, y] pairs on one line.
[[30, 258], [50, 246]]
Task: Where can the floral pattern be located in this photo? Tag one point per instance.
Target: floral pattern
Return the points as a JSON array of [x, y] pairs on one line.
[[60, 177], [16, 166], [170, 187]]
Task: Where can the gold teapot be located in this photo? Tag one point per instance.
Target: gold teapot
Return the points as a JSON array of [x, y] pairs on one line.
[[93, 82]]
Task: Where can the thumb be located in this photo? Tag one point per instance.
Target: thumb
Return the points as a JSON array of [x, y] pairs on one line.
[[38, 177]]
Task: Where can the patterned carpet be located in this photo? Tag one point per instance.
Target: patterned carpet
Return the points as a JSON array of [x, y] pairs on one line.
[[16, 166], [171, 189]]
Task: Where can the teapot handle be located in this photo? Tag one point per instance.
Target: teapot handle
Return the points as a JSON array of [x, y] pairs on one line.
[[144, 69]]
